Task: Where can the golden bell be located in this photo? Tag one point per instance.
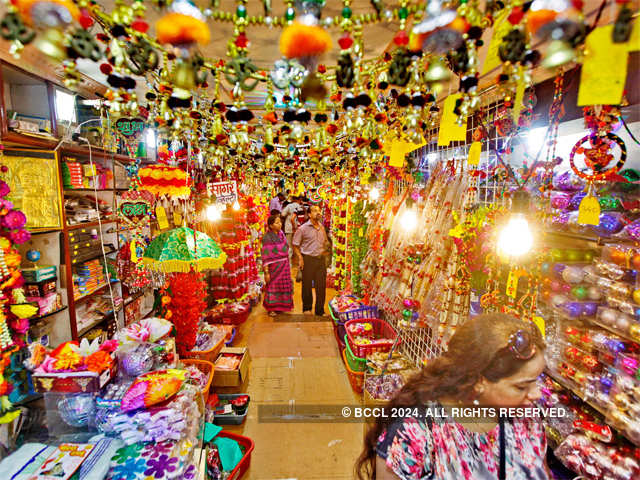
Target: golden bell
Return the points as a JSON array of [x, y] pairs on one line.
[[558, 53], [184, 77], [51, 43], [437, 72]]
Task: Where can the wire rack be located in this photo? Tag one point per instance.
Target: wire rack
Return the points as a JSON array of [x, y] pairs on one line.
[[421, 344]]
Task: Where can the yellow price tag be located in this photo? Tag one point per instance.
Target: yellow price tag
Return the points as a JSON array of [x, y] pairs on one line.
[[517, 103], [450, 131], [500, 28], [539, 322], [177, 219], [360, 232], [589, 211], [161, 215], [600, 83], [134, 254], [474, 153]]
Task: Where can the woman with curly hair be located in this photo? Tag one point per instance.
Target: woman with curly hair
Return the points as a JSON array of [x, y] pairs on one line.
[[492, 361]]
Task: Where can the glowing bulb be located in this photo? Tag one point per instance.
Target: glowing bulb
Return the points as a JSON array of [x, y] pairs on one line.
[[536, 137], [515, 239], [236, 206], [374, 194], [213, 213], [409, 220]]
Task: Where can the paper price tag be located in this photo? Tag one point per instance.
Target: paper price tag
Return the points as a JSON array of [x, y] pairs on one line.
[[600, 84], [500, 29], [589, 211], [539, 322], [450, 131], [161, 215], [134, 254], [474, 153], [177, 219]]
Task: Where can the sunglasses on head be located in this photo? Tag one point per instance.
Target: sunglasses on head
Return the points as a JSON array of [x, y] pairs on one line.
[[521, 345]]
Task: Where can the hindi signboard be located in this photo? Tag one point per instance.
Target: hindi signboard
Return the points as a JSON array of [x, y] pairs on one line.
[[225, 192]]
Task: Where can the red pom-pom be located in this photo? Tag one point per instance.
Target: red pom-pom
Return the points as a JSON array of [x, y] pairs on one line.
[[85, 19], [105, 68], [345, 41], [515, 16], [241, 40], [401, 38], [139, 25]]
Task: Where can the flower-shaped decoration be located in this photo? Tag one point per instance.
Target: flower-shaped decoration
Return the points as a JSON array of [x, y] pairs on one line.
[[154, 450], [131, 469], [158, 468], [124, 453]]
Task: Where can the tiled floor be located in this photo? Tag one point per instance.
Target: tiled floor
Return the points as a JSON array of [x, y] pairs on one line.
[[297, 363]]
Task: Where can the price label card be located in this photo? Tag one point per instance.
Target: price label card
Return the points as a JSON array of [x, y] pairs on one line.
[[474, 153], [161, 215], [450, 130], [512, 284], [177, 219], [589, 211], [134, 254]]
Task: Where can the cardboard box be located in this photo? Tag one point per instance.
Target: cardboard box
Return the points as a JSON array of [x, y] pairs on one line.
[[233, 378], [40, 273], [40, 289], [73, 382]]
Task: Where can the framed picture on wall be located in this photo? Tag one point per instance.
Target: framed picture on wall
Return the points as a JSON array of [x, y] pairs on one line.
[[33, 177]]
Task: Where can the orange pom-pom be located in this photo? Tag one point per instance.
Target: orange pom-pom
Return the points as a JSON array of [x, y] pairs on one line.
[[180, 29], [300, 40], [538, 18]]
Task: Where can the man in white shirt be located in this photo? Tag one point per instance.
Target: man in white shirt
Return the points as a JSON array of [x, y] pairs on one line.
[[290, 224]]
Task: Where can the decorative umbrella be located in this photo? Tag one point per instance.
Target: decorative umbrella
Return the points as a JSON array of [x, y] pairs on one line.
[[181, 249]]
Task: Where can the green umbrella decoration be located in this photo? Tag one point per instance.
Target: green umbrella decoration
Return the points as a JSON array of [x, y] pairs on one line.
[[182, 249]]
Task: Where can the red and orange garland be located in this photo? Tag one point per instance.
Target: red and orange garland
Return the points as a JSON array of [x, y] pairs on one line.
[[165, 180]]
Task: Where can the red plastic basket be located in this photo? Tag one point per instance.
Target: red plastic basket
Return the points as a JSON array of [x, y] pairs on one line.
[[381, 329], [230, 318], [247, 444], [356, 379]]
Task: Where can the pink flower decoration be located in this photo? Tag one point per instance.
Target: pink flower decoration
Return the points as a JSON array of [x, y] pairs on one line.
[[109, 346], [14, 219], [4, 189], [20, 236], [48, 365], [138, 332], [20, 325]]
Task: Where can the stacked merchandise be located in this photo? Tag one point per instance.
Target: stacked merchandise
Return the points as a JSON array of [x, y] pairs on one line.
[[358, 245], [233, 284], [88, 277], [339, 237], [406, 263], [72, 174]]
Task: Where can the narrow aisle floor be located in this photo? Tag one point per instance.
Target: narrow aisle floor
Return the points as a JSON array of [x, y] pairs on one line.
[[295, 361]]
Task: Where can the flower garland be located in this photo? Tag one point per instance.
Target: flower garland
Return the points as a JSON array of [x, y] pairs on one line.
[[165, 180]]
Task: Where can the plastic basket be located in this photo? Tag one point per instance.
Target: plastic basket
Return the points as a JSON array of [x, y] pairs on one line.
[[228, 318], [381, 329], [208, 355], [246, 444], [356, 364], [339, 332], [231, 419], [233, 335], [356, 379], [359, 313], [203, 366]]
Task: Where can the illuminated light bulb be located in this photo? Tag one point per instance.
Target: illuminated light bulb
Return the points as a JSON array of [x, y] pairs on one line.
[[515, 239], [236, 206], [409, 220], [374, 194], [213, 213]]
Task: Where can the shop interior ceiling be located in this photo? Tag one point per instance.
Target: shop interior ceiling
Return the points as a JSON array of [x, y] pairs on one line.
[[264, 45]]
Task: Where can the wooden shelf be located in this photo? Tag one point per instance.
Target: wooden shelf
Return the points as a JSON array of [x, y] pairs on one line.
[[29, 141], [44, 232], [95, 152], [88, 328], [87, 295], [89, 224], [48, 314], [93, 257]]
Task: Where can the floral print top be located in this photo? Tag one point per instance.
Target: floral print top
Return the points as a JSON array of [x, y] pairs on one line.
[[446, 450]]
